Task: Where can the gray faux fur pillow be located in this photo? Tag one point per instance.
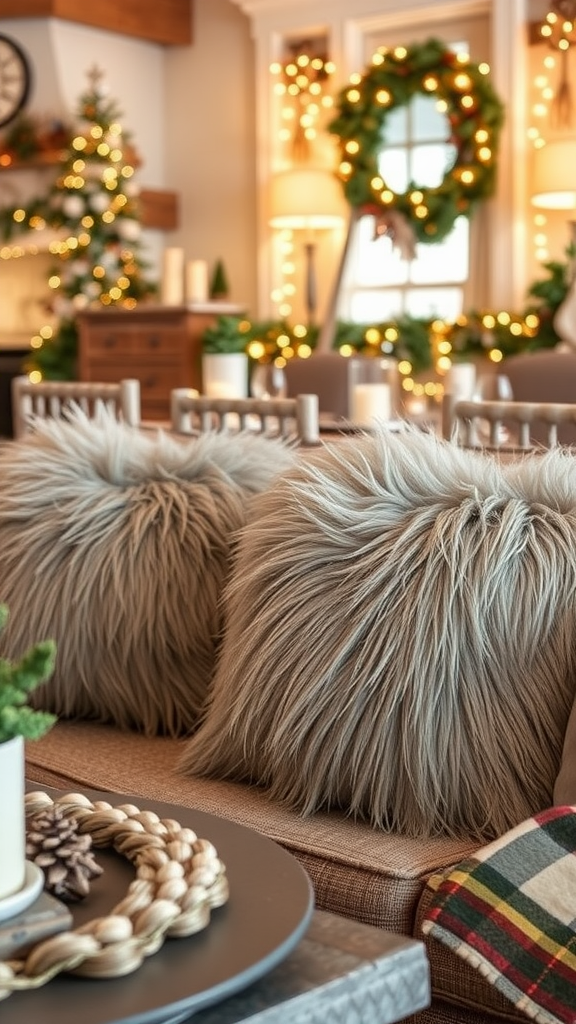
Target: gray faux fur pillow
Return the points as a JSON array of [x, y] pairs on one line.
[[116, 542], [401, 637]]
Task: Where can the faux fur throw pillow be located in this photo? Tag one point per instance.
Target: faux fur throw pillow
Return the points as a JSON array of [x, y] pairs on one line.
[[401, 637], [116, 543]]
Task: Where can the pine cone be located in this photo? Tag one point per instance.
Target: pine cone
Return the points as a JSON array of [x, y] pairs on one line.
[[55, 845]]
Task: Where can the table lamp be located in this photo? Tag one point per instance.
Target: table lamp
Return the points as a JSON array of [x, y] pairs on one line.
[[307, 199], [554, 175], [554, 188]]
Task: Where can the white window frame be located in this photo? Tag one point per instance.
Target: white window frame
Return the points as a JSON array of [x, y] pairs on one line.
[[275, 21]]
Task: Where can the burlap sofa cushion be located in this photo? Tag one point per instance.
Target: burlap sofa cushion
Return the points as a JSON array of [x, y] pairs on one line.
[[400, 637], [356, 871], [116, 543]]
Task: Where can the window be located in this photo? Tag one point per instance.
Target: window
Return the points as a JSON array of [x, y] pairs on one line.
[[379, 283]]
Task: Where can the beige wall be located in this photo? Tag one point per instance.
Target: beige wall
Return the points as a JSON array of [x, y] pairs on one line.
[[210, 144]]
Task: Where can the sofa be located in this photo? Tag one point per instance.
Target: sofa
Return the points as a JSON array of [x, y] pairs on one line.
[[375, 852]]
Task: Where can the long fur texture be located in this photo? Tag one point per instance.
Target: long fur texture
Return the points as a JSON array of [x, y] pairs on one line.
[[116, 543], [400, 637]]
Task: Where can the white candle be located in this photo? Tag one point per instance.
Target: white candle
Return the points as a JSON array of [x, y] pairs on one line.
[[371, 402], [131, 401], [307, 416], [172, 290], [197, 281], [220, 389], [225, 376], [461, 380]]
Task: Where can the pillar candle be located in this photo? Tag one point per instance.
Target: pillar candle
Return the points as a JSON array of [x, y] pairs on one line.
[[371, 402], [461, 380], [307, 414], [172, 290], [197, 281], [131, 401]]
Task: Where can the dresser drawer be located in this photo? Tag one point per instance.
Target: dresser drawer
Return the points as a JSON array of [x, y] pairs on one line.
[[159, 345], [145, 342]]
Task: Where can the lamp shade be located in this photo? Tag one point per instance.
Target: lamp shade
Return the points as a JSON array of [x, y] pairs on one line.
[[554, 175], [306, 197]]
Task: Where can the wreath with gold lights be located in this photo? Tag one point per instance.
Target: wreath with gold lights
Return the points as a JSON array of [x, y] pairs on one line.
[[475, 116]]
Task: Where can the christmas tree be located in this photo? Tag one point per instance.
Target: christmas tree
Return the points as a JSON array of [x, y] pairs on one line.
[[92, 207], [219, 283]]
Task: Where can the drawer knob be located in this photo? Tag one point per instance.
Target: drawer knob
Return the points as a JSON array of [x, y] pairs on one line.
[[154, 340]]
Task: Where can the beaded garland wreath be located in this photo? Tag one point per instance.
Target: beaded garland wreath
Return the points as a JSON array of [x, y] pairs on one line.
[[179, 880], [474, 114]]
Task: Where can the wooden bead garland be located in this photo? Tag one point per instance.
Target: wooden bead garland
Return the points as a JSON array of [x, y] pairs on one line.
[[179, 880]]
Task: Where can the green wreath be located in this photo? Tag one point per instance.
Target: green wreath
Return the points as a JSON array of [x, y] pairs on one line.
[[475, 116]]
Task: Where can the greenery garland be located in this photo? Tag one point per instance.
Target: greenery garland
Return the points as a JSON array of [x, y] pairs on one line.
[[413, 340], [475, 116]]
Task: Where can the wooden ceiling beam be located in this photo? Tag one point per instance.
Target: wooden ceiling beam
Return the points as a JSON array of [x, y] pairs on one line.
[[168, 22]]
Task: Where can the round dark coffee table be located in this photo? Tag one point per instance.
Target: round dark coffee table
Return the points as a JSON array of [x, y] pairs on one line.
[[269, 909]]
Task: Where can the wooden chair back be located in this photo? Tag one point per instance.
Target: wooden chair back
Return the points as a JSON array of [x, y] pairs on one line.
[[31, 401], [289, 418], [505, 424]]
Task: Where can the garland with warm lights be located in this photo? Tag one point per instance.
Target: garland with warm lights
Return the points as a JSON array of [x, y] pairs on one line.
[[418, 344], [475, 116]]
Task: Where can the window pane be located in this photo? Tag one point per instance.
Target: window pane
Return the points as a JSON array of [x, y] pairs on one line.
[[430, 163], [376, 260], [445, 261], [396, 128], [428, 122], [393, 167], [430, 302], [374, 307]]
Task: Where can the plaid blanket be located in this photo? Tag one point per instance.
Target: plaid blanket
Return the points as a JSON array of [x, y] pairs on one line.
[[510, 912]]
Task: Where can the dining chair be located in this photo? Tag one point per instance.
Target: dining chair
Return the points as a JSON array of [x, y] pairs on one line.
[[33, 401], [500, 425], [290, 418], [547, 375]]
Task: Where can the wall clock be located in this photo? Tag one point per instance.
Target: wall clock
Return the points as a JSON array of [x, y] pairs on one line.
[[15, 79]]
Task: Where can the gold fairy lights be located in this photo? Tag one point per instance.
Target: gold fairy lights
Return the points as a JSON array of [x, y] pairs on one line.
[[388, 341], [462, 93], [301, 84], [551, 94]]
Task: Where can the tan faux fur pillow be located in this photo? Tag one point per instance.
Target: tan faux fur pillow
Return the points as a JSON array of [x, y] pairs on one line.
[[401, 637], [116, 543]]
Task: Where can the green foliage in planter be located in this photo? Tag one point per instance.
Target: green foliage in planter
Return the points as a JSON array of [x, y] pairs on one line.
[[550, 294], [17, 681], [228, 334]]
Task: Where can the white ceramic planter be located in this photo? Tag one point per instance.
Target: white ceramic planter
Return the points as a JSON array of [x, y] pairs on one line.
[[225, 375], [12, 819]]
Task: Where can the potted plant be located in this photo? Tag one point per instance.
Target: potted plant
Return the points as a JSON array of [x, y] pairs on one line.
[[224, 358], [18, 722]]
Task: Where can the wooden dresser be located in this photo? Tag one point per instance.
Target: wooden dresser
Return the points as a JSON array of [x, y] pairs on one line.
[[159, 345]]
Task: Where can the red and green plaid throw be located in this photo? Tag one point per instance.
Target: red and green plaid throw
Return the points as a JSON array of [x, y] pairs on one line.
[[510, 912]]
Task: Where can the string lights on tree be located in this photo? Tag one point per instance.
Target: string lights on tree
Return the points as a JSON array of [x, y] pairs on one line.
[[91, 211]]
